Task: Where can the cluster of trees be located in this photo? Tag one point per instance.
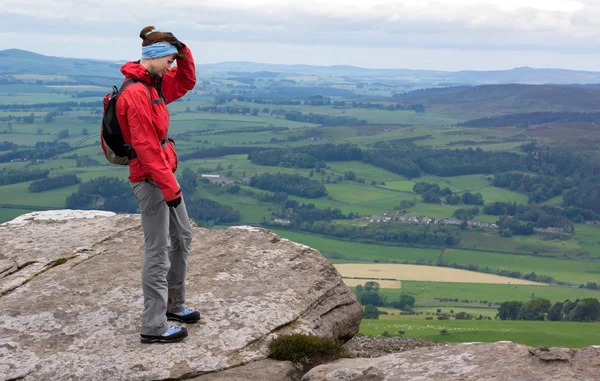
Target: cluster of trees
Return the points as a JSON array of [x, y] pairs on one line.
[[283, 158], [368, 295], [53, 183], [205, 210], [300, 213], [6, 146], [465, 214], [290, 184], [465, 162], [410, 161], [586, 197], [200, 209], [105, 193], [418, 108], [532, 118], [432, 193], [236, 131], [245, 110], [324, 119], [41, 150], [517, 217], [218, 152], [11, 80], [538, 188], [56, 105], [390, 233], [86, 161], [13, 176], [259, 98], [580, 310], [590, 286], [301, 157]]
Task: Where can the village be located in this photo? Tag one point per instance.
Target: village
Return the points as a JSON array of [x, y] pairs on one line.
[[424, 220]]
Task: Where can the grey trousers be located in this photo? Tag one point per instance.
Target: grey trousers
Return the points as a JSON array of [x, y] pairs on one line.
[[167, 238]]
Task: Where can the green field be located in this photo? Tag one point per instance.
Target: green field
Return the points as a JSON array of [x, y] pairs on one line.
[[532, 333], [349, 251], [536, 244], [576, 272], [354, 193], [589, 238], [375, 192], [364, 171], [7, 214], [427, 292]]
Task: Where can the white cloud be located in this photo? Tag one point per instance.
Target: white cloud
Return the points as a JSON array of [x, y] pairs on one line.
[[558, 27]]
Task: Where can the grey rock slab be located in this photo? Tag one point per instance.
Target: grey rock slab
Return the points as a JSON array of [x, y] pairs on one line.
[[79, 320], [467, 362], [40, 239], [265, 370]]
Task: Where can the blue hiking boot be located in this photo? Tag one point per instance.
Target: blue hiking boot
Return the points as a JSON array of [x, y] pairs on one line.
[[187, 315], [173, 335]]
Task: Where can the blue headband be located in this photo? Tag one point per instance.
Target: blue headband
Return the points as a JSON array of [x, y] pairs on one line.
[[158, 50]]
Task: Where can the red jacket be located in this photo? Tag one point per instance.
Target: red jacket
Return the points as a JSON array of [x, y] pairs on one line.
[[145, 122]]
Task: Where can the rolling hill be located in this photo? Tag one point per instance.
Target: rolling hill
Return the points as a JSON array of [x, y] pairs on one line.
[[16, 61]]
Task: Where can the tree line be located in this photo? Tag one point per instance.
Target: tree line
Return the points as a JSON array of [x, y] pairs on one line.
[[103, 193], [406, 160], [323, 119], [62, 105], [538, 188], [53, 183], [42, 150], [13, 176], [290, 184], [432, 193], [390, 233], [579, 310], [538, 216], [533, 118], [115, 195], [368, 295]]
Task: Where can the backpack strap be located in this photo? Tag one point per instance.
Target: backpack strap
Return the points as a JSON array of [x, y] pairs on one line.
[[130, 81]]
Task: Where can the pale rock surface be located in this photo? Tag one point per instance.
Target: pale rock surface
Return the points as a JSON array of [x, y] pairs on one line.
[[468, 362], [71, 301], [264, 370]]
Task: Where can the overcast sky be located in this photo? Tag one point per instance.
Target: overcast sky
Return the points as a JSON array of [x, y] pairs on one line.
[[413, 34]]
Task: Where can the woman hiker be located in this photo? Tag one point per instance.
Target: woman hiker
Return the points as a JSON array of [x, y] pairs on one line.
[[144, 119]]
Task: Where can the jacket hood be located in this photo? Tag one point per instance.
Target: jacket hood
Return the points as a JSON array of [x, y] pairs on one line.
[[135, 70]]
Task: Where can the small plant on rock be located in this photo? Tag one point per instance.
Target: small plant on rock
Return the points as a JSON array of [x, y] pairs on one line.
[[306, 351]]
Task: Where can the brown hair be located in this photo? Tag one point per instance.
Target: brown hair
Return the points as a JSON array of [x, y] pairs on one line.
[[150, 35]]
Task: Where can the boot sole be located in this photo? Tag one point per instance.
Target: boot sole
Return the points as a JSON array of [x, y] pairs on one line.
[[173, 318], [162, 340]]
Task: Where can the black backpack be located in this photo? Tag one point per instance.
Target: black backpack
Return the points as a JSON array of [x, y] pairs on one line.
[[114, 146]]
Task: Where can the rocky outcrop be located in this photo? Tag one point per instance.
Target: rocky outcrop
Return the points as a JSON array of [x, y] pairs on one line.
[[71, 300], [467, 362]]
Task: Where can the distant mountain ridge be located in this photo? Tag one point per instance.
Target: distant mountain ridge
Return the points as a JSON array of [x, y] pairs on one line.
[[509, 98], [16, 61]]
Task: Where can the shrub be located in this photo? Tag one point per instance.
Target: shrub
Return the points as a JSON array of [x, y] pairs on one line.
[[463, 316], [303, 348]]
